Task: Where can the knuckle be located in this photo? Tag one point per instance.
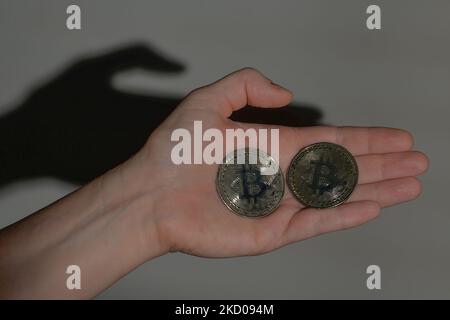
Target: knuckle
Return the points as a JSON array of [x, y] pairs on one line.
[[249, 72]]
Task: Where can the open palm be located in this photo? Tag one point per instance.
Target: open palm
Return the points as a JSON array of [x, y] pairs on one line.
[[191, 217]]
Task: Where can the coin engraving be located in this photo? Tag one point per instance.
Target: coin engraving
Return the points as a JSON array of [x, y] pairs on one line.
[[322, 175], [244, 190]]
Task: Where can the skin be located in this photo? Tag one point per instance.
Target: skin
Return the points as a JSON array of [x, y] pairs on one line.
[[147, 206]]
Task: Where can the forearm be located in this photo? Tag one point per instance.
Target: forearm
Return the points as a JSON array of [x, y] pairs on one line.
[[104, 229]]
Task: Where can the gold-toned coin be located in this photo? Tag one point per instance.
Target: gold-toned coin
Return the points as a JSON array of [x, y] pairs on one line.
[[245, 188], [322, 175]]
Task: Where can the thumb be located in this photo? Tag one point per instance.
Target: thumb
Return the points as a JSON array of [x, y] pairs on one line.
[[238, 89]]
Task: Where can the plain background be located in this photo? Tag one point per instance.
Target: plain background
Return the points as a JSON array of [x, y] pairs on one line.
[[321, 50]]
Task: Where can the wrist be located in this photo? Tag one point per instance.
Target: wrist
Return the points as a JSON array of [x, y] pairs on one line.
[[124, 192]]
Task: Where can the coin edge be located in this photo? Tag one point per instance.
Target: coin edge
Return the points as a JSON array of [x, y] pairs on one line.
[[283, 183], [305, 149]]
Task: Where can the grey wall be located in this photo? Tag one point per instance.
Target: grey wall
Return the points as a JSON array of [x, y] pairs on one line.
[[398, 76]]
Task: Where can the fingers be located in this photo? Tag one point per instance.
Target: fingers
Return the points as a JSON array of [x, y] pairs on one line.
[[378, 167], [238, 89], [388, 193], [358, 140], [312, 222]]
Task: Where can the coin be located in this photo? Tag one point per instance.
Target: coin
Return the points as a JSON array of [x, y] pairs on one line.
[[322, 175], [244, 188]]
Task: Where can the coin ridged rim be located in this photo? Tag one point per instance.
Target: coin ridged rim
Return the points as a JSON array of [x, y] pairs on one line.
[[317, 146], [232, 155]]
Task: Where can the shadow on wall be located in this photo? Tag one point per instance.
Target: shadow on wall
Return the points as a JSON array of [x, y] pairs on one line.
[[78, 126]]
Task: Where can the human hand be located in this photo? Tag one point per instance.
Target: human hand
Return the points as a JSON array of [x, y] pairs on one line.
[[149, 206], [190, 217]]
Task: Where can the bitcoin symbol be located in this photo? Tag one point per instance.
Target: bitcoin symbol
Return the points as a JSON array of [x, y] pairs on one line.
[[245, 188], [323, 176], [252, 184]]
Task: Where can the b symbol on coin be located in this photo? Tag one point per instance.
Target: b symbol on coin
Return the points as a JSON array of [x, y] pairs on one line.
[[244, 190], [322, 175]]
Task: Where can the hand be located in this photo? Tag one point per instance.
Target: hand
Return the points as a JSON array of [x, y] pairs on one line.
[[190, 217], [148, 206]]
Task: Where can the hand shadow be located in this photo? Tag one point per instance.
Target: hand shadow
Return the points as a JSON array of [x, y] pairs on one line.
[[78, 126]]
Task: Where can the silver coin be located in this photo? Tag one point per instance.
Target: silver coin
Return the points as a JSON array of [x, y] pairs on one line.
[[322, 175], [245, 188]]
